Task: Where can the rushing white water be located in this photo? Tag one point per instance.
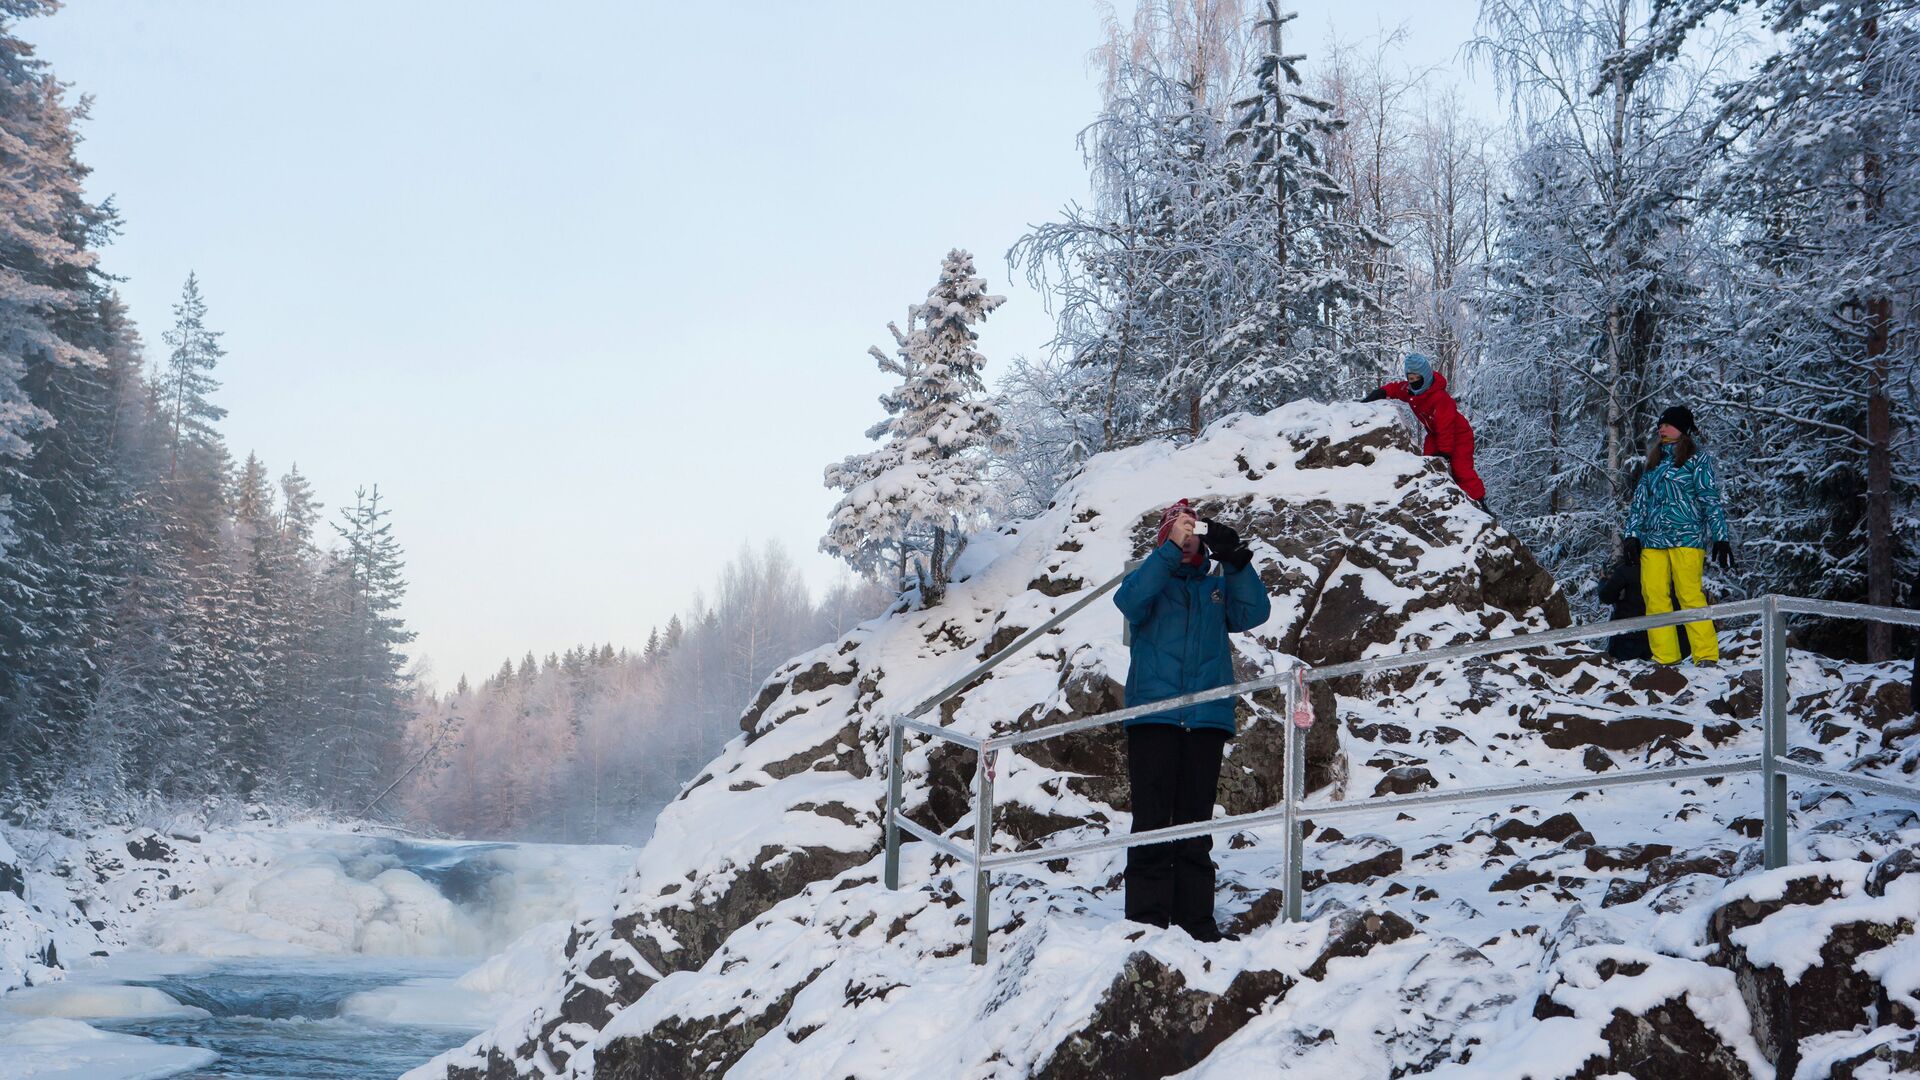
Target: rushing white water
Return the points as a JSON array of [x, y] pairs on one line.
[[334, 955]]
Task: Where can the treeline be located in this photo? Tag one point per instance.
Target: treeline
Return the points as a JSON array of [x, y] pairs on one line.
[[589, 744], [171, 626], [1688, 202]]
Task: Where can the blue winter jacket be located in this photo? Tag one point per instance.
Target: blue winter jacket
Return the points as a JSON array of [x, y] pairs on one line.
[[1180, 616], [1678, 506]]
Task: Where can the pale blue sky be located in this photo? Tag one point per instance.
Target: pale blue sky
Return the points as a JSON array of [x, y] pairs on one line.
[[585, 287]]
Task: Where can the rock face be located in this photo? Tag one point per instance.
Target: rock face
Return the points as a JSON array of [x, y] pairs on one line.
[[1796, 951], [754, 938]]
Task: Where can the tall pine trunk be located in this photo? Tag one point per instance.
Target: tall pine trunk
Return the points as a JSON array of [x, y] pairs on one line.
[[1880, 568]]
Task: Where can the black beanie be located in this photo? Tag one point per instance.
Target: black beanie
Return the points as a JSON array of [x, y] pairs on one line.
[[1680, 417]]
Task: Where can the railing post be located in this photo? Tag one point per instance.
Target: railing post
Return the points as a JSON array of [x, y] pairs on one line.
[[1295, 780], [1773, 743], [895, 736], [982, 847]]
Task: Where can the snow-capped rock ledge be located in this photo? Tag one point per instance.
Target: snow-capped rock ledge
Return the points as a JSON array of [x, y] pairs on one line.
[[1570, 938]]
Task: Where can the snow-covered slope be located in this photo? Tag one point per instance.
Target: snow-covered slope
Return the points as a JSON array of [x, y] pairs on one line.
[[1569, 938]]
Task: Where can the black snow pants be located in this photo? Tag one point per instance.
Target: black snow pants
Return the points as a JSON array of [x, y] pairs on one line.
[[1175, 776]]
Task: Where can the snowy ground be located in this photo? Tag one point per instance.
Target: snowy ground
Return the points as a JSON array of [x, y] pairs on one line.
[[397, 933]]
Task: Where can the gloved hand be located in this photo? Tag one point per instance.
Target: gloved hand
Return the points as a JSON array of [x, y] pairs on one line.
[[1723, 554], [1237, 559], [1220, 539], [1379, 394], [1630, 547]]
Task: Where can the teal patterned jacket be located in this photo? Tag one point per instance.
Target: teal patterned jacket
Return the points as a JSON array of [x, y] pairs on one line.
[[1678, 505]]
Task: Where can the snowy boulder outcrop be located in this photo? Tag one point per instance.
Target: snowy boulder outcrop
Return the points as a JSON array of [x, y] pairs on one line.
[[1581, 934], [1365, 546]]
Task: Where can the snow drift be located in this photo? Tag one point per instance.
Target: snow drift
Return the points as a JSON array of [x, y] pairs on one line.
[[754, 938]]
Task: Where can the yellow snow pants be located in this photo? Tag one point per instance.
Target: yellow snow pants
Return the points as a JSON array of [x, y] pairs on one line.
[[1664, 574]]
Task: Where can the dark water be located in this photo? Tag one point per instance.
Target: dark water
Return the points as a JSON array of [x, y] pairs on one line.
[[279, 1019]]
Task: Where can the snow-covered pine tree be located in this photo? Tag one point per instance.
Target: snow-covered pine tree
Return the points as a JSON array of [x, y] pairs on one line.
[[366, 689], [250, 631], [55, 422], [1302, 331], [186, 382], [916, 497]]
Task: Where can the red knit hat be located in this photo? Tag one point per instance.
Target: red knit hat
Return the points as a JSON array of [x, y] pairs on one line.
[[1170, 515]]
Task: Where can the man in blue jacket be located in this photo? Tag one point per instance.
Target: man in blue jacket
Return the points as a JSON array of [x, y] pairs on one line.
[[1180, 615]]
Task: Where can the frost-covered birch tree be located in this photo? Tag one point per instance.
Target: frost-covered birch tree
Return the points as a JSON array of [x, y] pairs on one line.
[[1817, 152], [1592, 310], [1212, 273]]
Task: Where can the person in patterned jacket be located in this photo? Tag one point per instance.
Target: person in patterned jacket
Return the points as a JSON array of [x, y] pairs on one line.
[[1676, 513]]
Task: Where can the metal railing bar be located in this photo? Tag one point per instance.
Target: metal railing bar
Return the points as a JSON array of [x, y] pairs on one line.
[[1199, 697], [935, 839], [1020, 643], [1511, 643], [1535, 639], [1378, 804], [1872, 784], [971, 742], [1275, 816], [1800, 605]]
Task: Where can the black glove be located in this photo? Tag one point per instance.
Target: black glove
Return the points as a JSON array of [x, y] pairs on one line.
[[1237, 559], [1220, 540], [1379, 393], [1723, 554], [1630, 547]]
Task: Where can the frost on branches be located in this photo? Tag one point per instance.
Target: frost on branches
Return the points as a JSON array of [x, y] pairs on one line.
[[911, 501], [1211, 273]]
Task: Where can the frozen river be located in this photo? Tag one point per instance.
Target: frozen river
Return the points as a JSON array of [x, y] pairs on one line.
[[321, 955], [276, 1019]]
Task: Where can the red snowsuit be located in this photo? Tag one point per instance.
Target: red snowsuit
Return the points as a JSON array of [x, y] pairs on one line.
[[1448, 433]]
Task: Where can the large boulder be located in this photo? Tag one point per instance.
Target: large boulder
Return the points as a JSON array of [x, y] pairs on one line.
[[1364, 546]]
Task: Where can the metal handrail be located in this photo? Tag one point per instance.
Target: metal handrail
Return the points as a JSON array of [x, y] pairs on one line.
[[1842, 609], [1013, 647], [1772, 763]]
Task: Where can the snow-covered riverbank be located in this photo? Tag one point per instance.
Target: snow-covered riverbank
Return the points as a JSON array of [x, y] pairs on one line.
[[120, 945]]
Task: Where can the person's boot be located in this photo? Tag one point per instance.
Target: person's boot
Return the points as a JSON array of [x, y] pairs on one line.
[[1207, 933]]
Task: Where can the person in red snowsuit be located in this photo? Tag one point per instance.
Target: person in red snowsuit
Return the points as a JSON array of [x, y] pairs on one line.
[[1448, 433]]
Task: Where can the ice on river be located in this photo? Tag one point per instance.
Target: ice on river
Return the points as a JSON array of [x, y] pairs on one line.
[[391, 900], [51, 1048], [310, 904], [269, 897], [79, 1001]]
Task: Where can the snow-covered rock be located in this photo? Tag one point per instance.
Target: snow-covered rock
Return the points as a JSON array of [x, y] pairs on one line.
[[754, 937]]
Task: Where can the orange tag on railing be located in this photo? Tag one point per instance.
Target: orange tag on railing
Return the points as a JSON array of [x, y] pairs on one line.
[[1302, 704]]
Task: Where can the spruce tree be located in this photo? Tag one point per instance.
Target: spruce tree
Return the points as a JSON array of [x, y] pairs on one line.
[[56, 397], [1296, 335], [917, 496]]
